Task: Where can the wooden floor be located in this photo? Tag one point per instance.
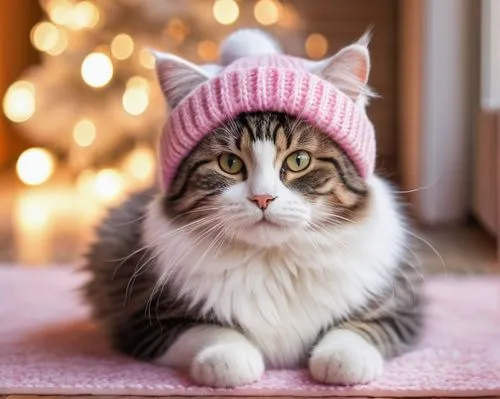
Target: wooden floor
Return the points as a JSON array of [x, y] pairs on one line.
[[465, 249], [212, 397]]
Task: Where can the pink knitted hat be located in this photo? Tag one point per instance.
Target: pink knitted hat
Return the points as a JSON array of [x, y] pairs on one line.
[[258, 82]]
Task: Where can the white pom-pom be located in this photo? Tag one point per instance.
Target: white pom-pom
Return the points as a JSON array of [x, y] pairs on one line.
[[247, 42]]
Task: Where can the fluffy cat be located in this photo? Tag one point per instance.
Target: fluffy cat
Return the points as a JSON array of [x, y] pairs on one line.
[[268, 250]]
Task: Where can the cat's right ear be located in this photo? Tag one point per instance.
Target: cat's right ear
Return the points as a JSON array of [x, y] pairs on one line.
[[177, 77]]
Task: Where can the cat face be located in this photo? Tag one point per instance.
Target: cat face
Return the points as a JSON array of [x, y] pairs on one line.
[[264, 178]]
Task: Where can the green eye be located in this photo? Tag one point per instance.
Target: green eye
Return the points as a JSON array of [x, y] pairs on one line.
[[230, 163], [298, 161]]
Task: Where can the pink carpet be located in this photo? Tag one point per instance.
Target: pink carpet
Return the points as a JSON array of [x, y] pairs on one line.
[[47, 346]]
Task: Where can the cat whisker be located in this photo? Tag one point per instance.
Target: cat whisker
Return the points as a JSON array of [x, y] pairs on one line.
[[197, 239], [171, 267], [194, 268], [432, 248]]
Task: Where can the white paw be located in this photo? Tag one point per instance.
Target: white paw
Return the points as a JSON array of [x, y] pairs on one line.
[[345, 358], [227, 365]]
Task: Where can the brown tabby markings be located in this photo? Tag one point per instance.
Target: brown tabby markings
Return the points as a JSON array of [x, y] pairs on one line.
[[144, 322], [331, 177]]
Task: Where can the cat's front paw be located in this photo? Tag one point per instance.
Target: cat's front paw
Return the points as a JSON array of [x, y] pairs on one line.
[[343, 357], [227, 365]]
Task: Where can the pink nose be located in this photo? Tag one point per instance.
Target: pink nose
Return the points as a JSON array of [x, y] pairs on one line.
[[262, 201]]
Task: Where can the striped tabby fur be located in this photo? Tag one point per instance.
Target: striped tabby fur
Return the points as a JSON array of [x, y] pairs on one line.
[[184, 279]]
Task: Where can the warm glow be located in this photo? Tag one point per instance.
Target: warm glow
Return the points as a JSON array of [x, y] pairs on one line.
[[85, 15], [122, 46], [61, 12], [177, 29], [316, 45], [226, 11], [44, 36], [35, 166], [61, 45], [19, 101], [208, 50], [32, 213], [84, 133], [138, 81], [97, 69], [85, 181], [266, 12], [147, 59], [47, 37], [289, 17], [108, 184], [135, 100], [140, 163]]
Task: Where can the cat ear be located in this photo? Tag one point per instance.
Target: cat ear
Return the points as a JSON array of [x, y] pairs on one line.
[[348, 70], [178, 77]]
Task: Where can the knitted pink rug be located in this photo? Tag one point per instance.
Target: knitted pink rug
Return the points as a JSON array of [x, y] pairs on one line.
[[47, 346]]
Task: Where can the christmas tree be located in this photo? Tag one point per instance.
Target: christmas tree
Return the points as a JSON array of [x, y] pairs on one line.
[[94, 103]]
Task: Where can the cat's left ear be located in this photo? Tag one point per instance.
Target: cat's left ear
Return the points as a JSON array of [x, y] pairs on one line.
[[178, 77], [348, 70]]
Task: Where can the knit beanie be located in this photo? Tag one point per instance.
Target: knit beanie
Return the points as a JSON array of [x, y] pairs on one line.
[[204, 98]]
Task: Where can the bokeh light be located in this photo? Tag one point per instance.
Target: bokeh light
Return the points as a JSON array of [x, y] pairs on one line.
[[85, 15], [97, 69], [19, 101], [44, 36], [84, 132], [60, 45], [140, 163], [208, 50], [35, 166], [177, 29], [122, 46], [61, 12], [146, 59], [109, 184], [266, 12], [135, 100], [226, 12], [316, 45]]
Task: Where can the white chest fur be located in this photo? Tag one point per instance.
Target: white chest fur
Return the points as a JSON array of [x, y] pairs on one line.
[[278, 300], [282, 298]]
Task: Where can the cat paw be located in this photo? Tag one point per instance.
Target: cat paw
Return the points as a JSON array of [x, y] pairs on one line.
[[227, 365], [345, 358]]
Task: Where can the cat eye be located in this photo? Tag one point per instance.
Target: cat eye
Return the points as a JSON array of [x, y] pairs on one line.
[[298, 161], [231, 163]]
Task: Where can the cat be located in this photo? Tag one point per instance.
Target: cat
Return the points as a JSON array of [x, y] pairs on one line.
[[268, 250]]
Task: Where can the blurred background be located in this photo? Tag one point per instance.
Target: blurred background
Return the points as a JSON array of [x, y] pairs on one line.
[[81, 109]]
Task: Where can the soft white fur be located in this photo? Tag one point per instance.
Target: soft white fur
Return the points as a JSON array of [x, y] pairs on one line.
[[212, 353], [344, 357], [276, 274], [247, 42], [281, 282]]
